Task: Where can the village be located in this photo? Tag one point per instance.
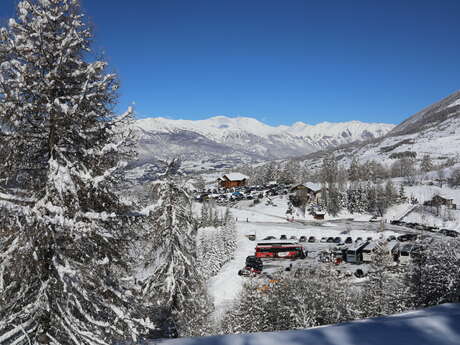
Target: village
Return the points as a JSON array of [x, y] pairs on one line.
[[275, 236]]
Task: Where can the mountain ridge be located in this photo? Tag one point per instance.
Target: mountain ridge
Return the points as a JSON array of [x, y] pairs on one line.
[[222, 142]]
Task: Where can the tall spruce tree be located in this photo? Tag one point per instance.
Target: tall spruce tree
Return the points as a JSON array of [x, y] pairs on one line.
[[176, 283], [63, 149]]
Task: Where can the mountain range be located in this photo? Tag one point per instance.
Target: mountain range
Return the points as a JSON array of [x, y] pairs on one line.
[[222, 142], [433, 131]]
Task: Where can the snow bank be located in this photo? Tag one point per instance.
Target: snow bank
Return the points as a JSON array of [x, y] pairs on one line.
[[432, 326]]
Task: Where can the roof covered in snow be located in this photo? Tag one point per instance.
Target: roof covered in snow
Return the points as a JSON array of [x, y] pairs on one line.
[[234, 177], [437, 325], [315, 187]]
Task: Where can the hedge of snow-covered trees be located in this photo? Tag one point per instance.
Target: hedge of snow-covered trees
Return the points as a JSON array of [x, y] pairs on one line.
[[313, 297], [216, 242]]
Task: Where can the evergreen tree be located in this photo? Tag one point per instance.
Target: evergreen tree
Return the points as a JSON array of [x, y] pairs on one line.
[[385, 292], [381, 202], [427, 164], [205, 216], [330, 193], [175, 283], [63, 152], [372, 205], [402, 192], [354, 171], [434, 277], [249, 314], [390, 193]]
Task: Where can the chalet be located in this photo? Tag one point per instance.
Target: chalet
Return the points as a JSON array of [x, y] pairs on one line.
[[310, 191], [438, 201], [232, 180]]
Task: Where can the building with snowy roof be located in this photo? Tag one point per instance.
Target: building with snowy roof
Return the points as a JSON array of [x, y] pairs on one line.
[[232, 180], [310, 192], [439, 200]]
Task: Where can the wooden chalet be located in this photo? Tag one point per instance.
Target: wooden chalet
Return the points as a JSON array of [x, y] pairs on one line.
[[232, 180], [312, 191], [438, 200]]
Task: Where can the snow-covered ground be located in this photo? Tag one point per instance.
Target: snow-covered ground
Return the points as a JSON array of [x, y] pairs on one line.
[[439, 325], [270, 219], [265, 220]]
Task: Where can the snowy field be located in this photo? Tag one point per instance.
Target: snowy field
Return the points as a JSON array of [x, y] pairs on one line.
[[439, 325]]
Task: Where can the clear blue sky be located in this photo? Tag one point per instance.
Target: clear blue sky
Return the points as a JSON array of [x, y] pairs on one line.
[[279, 61]]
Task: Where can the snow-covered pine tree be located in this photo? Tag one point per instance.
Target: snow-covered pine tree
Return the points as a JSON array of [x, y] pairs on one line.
[[391, 194], [385, 292], [64, 147], [371, 197], [249, 314], [330, 194], [229, 235], [354, 171], [434, 277], [402, 193], [426, 164], [205, 208], [175, 282]]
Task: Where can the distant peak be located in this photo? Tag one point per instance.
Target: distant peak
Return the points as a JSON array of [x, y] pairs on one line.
[[299, 124], [218, 117]]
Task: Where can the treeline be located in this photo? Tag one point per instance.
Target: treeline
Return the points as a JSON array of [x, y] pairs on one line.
[[295, 171], [216, 240], [358, 187], [314, 297]]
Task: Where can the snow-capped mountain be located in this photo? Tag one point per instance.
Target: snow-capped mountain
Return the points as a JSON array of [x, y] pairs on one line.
[[221, 141], [434, 131]]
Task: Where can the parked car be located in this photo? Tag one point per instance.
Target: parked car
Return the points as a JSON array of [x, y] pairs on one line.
[[252, 237], [254, 261], [369, 239], [311, 239], [293, 237], [253, 266], [450, 233], [302, 239], [330, 240], [359, 273], [359, 239], [348, 240], [270, 238], [407, 237], [323, 239], [337, 240], [283, 237], [375, 219]]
